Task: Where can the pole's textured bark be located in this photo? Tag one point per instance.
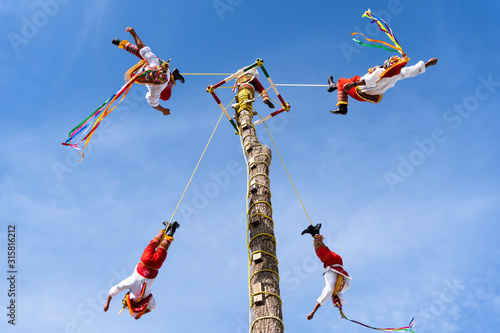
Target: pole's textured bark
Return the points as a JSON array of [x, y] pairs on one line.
[[266, 303]]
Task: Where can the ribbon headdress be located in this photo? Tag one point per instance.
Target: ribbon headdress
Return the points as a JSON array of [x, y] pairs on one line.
[[395, 68]]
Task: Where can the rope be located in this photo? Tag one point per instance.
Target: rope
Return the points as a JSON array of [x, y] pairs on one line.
[[206, 73], [262, 234], [265, 270], [269, 254], [196, 168], [273, 294], [289, 177], [268, 317], [275, 101], [264, 216], [248, 235], [259, 174], [263, 185], [299, 85], [249, 241], [264, 202]]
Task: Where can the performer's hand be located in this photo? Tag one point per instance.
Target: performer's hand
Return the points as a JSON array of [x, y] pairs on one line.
[[431, 62], [348, 86], [165, 111], [130, 29], [106, 306], [310, 316]]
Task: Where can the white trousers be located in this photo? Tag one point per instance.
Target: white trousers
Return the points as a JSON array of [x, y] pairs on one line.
[[330, 280]]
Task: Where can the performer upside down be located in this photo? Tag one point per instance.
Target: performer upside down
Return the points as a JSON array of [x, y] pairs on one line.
[[160, 80], [139, 300], [337, 280]]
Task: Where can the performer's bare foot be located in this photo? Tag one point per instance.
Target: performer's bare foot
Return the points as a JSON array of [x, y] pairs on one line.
[[310, 316]]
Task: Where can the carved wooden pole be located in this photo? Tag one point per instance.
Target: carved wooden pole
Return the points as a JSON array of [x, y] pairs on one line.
[[264, 281]]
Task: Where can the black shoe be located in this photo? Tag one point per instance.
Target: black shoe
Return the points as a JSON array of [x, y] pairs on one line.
[[116, 41], [332, 86], [342, 109], [313, 230], [269, 103], [172, 227], [177, 75]]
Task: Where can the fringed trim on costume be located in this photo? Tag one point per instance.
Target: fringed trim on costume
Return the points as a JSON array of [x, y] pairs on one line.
[[342, 102], [123, 43], [368, 98], [133, 70], [165, 243], [339, 285], [158, 74], [318, 242], [158, 237], [395, 68], [135, 307]]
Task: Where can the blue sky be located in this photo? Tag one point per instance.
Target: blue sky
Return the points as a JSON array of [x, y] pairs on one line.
[[407, 190]]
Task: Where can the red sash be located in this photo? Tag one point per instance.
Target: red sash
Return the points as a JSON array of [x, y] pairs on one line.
[[145, 271]]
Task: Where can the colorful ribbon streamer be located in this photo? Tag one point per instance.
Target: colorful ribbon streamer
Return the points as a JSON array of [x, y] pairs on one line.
[[399, 329], [86, 128], [384, 27]]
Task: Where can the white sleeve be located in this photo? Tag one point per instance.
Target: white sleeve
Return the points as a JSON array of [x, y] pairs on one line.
[[125, 284], [413, 70], [372, 78], [153, 95], [149, 56]]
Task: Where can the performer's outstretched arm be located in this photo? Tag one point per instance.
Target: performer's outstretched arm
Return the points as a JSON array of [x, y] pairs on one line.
[[165, 111], [106, 306], [137, 40]]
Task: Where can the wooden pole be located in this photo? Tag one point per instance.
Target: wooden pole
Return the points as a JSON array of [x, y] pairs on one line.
[[264, 281]]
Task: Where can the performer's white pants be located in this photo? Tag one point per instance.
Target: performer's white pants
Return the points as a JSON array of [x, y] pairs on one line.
[[330, 280]]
